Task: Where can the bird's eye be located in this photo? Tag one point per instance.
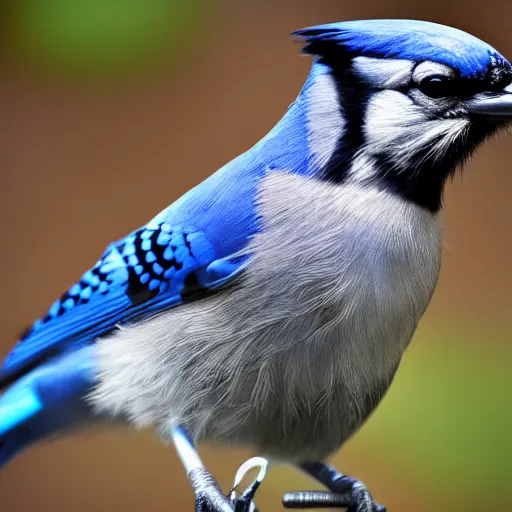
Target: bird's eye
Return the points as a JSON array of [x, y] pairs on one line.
[[437, 86]]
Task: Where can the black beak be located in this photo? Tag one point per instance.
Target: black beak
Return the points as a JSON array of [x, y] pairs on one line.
[[492, 104]]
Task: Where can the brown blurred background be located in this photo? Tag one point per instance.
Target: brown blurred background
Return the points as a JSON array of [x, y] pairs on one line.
[[111, 110]]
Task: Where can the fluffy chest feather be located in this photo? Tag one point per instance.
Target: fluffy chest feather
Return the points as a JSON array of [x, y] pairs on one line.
[[295, 356], [341, 275], [362, 260]]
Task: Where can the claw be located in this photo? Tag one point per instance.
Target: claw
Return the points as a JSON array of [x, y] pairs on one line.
[[363, 500], [255, 462], [245, 503]]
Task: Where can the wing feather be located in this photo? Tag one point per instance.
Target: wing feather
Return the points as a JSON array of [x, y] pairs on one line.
[[152, 269]]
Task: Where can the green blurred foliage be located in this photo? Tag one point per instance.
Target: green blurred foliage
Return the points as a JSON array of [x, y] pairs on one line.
[[99, 37], [444, 426]]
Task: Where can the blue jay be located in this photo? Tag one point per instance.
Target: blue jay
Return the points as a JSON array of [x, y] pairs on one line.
[[270, 305]]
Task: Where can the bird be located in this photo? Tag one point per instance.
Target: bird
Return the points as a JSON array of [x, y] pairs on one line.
[[270, 305]]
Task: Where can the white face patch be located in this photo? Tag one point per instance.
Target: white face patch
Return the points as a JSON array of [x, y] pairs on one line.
[[398, 127], [383, 73], [326, 123], [401, 121]]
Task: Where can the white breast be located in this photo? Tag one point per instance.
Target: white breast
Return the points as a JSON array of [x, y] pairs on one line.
[[362, 260], [295, 356]]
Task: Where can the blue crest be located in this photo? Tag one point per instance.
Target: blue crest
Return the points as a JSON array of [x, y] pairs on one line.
[[407, 39]]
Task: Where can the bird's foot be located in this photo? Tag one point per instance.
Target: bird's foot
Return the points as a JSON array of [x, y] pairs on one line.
[[344, 492], [209, 496]]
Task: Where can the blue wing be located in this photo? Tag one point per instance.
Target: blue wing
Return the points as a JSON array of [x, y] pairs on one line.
[[185, 251], [154, 268]]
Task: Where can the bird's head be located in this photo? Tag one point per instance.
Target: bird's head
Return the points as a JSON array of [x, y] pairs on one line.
[[413, 99]]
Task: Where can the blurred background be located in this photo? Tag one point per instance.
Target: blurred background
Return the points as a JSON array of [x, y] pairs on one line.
[[111, 110]]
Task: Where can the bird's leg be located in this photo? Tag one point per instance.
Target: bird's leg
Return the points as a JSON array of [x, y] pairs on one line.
[[345, 492], [209, 496]]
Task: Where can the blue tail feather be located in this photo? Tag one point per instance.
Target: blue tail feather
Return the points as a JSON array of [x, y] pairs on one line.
[[45, 401], [16, 407]]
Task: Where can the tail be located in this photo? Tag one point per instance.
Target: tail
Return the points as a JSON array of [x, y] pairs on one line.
[[45, 402]]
